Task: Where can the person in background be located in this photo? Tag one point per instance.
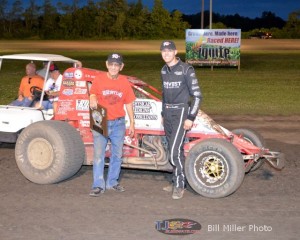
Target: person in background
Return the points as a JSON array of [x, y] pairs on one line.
[[113, 92], [42, 71], [180, 104], [52, 88], [25, 97]]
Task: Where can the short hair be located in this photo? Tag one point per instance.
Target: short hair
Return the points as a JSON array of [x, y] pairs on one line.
[[32, 65]]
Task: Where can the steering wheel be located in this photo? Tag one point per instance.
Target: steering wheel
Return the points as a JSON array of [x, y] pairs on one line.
[[36, 92]]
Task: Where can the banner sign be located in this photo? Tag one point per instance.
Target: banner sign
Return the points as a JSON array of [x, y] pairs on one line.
[[213, 47]]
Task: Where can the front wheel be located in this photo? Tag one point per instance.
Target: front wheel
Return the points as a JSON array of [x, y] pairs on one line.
[[214, 168], [49, 152]]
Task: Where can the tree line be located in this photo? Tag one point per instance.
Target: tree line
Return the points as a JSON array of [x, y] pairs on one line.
[[117, 19], [268, 22]]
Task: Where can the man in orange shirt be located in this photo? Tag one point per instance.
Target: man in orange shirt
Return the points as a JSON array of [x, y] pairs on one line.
[[113, 92], [31, 79]]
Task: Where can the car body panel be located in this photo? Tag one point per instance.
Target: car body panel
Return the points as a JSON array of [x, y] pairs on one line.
[[13, 119]]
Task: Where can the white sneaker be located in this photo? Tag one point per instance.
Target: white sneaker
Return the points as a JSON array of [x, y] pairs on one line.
[[177, 193]]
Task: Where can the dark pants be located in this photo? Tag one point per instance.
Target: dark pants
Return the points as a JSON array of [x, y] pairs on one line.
[[174, 117]]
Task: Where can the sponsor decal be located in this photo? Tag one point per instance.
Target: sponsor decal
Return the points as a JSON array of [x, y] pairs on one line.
[[80, 84], [84, 115], [146, 110], [89, 76], [68, 75], [65, 106], [80, 91], [145, 117], [68, 83], [67, 92], [144, 107], [82, 105], [84, 123], [78, 74], [178, 73], [66, 103], [169, 85], [178, 226]]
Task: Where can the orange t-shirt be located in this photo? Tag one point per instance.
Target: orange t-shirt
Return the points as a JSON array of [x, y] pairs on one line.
[[28, 82], [112, 94]]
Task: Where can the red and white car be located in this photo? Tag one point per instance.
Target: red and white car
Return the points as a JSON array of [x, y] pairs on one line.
[[51, 147]]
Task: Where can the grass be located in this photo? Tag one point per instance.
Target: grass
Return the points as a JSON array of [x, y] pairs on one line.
[[268, 82]]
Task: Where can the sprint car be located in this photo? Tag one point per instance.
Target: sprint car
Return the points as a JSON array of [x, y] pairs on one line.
[[52, 146]]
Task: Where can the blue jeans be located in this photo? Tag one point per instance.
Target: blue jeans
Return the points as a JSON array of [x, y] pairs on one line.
[[24, 103], [47, 105], [116, 134]]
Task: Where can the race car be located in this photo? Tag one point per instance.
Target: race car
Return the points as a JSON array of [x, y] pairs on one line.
[[52, 146]]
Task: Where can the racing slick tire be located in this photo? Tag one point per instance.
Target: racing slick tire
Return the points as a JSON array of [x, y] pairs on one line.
[[214, 168], [256, 139], [48, 152]]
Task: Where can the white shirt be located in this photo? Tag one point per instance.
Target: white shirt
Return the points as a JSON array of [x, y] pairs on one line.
[[52, 85]]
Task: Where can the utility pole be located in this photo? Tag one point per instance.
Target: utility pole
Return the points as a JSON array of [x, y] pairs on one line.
[[202, 15], [210, 15], [210, 26]]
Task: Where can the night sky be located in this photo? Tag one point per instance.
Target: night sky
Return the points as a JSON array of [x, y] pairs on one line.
[[245, 8]]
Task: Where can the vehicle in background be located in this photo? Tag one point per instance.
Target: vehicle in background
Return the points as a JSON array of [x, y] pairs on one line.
[[261, 35]]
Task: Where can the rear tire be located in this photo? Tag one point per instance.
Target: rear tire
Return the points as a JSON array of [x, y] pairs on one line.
[[256, 139], [49, 152], [214, 168]]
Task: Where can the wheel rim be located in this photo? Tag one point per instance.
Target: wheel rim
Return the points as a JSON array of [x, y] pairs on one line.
[[40, 153], [211, 169]]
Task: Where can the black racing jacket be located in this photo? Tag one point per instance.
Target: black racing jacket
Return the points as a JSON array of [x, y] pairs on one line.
[[180, 85]]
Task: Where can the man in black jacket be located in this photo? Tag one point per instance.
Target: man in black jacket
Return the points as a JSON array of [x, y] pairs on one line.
[[181, 101]]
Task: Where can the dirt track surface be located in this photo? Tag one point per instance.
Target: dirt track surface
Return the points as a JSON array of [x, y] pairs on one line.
[[266, 205], [141, 45]]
